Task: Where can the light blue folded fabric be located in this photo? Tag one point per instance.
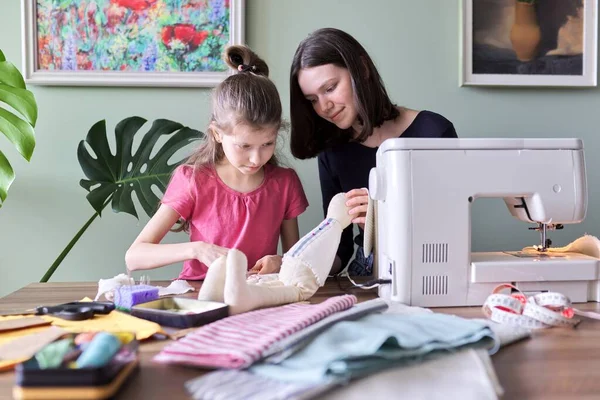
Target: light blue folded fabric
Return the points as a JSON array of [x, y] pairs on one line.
[[351, 349], [284, 348]]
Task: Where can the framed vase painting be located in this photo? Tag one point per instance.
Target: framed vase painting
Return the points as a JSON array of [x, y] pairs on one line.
[[529, 42], [129, 42]]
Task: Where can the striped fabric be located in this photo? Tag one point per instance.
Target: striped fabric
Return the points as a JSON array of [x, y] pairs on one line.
[[323, 227], [240, 340], [286, 347]]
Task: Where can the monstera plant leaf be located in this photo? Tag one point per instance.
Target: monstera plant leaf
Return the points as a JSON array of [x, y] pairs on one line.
[[118, 176], [112, 178], [18, 129]]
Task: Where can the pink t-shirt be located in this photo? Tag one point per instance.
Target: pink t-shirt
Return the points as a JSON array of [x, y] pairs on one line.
[[249, 222]]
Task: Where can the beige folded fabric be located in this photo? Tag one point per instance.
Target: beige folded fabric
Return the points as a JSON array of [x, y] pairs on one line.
[[465, 375], [369, 233], [587, 244]]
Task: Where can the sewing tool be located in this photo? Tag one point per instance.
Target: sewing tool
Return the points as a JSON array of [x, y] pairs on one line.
[[74, 311], [542, 310], [424, 190], [537, 311], [128, 296]]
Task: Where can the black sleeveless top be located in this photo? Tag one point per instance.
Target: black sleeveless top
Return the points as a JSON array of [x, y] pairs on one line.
[[347, 166]]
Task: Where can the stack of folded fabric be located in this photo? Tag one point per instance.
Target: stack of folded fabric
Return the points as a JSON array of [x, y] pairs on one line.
[[371, 350], [240, 340], [465, 374]]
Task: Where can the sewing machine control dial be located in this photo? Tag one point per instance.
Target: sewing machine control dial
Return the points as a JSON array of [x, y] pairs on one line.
[[377, 184]]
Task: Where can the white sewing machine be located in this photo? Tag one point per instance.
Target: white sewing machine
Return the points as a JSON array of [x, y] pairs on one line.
[[424, 189]]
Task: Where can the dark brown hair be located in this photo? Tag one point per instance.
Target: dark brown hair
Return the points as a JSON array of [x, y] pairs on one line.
[[311, 134]]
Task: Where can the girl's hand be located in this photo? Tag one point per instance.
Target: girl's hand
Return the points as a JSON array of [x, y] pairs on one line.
[[267, 265], [207, 253], [358, 200]]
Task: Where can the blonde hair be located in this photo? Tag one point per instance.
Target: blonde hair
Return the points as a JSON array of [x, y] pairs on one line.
[[247, 97]]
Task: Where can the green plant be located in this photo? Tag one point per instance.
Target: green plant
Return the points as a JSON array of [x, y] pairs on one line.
[[113, 178], [20, 131]]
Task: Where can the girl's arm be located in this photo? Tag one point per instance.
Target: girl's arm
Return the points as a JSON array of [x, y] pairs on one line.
[[147, 253], [290, 234]]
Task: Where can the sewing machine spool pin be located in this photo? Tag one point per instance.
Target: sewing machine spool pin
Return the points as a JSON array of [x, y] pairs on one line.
[[546, 242]]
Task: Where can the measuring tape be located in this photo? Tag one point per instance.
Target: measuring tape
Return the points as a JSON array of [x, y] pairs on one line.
[[539, 311]]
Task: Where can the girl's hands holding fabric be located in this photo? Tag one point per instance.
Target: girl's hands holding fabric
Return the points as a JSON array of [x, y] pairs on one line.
[[267, 265], [206, 253], [358, 199]]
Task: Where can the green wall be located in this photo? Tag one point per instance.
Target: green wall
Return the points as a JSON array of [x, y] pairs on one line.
[[415, 45]]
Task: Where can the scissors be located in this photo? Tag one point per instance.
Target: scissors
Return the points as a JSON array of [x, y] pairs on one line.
[[74, 311]]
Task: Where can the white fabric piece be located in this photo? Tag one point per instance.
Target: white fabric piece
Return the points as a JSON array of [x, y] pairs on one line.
[[466, 374], [107, 287], [315, 249], [214, 283], [258, 279], [338, 210], [304, 268], [242, 297], [178, 286]]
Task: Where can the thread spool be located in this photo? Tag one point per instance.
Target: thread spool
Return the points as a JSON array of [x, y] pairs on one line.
[[99, 351]]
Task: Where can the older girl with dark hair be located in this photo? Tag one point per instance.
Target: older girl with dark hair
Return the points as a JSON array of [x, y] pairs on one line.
[[341, 113]]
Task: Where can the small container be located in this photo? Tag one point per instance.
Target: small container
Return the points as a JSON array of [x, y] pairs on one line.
[[181, 312], [63, 382]]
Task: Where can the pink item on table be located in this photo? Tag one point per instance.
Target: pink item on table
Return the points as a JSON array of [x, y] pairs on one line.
[[240, 340]]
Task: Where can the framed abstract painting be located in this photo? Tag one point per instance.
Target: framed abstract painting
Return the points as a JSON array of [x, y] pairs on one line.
[[175, 43], [529, 42]]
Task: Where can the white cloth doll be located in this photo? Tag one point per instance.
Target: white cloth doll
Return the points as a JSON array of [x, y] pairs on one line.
[[304, 268]]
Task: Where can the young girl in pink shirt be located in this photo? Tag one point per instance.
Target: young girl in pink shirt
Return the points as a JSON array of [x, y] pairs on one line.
[[231, 193]]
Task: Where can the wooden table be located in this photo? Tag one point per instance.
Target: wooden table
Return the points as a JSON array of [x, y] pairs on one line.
[[554, 364]]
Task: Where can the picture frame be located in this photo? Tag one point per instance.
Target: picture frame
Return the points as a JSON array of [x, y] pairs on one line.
[[151, 43], [548, 43]]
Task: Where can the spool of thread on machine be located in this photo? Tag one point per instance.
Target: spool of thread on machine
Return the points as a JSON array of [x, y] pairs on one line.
[[128, 296]]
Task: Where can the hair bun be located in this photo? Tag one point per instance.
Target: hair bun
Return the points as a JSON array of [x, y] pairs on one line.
[[236, 58], [242, 59]]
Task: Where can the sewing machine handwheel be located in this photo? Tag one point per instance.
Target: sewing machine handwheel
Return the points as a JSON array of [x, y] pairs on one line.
[[377, 184]]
